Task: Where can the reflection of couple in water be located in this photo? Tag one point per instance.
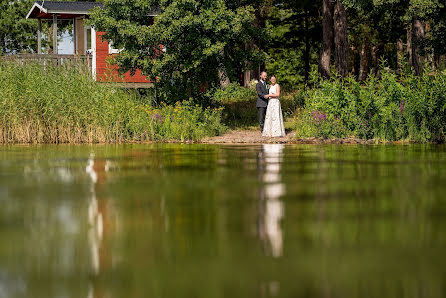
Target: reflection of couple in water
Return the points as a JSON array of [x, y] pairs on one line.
[[270, 207]]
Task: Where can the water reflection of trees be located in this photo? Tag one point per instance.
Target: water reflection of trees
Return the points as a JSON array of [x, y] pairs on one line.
[[182, 220]]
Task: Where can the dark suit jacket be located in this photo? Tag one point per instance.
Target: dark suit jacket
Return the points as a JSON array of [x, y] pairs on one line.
[[262, 102]]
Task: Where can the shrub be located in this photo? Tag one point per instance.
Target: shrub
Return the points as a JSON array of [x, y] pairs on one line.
[[391, 108], [183, 121], [233, 93]]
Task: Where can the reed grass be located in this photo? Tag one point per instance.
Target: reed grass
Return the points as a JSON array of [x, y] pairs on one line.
[[61, 104]]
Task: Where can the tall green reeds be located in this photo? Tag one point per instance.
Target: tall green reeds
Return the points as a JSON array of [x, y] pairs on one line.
[[57, 104]]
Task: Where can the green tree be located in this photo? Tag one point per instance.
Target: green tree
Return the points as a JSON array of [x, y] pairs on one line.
[[17, 34], [203, 41], [294, 29], [382, 28]]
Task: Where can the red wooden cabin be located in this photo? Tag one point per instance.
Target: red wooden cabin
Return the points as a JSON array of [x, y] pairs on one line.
[[87, 41]]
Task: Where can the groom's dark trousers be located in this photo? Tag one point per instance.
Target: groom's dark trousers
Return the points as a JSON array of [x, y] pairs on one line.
[[262, 102]]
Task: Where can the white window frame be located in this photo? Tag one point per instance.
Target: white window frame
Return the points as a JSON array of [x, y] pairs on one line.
[[91, 40]]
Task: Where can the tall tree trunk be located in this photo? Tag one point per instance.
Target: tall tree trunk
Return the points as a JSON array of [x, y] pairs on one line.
[[364, 60], [3, 46], [431, 60], [409, 44], [223, 73], [307, 47], [247, 75], [436, 61], [375, 60], [399, 55], [49, 35], [354, 69], [341, 41], [327, 38], [246, 78], [417, 36]]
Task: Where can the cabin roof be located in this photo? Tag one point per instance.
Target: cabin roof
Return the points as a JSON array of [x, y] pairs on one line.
[[67, 10], [68, 6], [45, 9]]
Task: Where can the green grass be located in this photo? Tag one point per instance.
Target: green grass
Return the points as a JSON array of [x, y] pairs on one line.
[[65, 105]]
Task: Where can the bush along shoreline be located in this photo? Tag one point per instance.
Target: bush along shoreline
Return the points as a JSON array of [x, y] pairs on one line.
[[391, 108], [65, 105]]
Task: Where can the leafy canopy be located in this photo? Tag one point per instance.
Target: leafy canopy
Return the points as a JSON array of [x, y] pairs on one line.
[[202, 40], [17, 34]]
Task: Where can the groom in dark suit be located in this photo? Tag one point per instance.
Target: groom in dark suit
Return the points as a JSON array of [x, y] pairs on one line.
[[262, 98]]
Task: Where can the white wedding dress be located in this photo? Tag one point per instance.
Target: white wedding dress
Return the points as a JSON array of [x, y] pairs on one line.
[[273, 126]]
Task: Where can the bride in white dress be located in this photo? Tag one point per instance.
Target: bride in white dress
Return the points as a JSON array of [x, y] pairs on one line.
[[273, 126]]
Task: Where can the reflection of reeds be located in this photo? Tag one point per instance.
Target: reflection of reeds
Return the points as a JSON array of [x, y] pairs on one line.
[[63, 104]]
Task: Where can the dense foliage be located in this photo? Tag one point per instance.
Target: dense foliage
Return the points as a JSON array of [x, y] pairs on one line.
[[65, 105], [293, 47], [17, 34], [409, 107], [190, 45]]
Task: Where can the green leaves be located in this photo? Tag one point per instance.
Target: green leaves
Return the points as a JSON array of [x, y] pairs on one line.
[[202, 38], [387, 108], [17, 34]]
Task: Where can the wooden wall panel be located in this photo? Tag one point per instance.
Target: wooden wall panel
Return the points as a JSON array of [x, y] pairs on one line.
[[80, 39], [109, 73]]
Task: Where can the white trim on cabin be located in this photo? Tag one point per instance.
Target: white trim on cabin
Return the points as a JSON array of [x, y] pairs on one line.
[[93, 50], [74, 12], [38, 6], [68, 12]]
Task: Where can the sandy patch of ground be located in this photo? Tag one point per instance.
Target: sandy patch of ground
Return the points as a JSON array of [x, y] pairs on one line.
[[255, 137], [247, 137]]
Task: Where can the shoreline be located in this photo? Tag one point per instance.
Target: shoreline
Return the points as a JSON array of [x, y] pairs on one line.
[[250, 137]]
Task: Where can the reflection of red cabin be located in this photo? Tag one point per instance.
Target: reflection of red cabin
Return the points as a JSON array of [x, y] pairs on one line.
[[88, 43]]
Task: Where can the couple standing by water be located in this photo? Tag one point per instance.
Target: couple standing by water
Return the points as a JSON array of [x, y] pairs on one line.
[[268, 106]]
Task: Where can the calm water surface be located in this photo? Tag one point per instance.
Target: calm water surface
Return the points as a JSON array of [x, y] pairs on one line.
[[222, 221]]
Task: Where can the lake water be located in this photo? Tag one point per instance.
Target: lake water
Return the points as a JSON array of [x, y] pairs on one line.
[[222, 221]]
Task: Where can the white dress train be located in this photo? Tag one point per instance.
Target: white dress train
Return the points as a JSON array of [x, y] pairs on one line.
[[273, 126]]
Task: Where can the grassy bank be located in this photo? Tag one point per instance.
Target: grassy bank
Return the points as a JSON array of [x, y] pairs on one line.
[[390, 108], [65, 105]]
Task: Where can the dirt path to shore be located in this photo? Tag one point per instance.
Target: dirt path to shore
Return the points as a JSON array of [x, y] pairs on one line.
[[255, 137], [247, 137]]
